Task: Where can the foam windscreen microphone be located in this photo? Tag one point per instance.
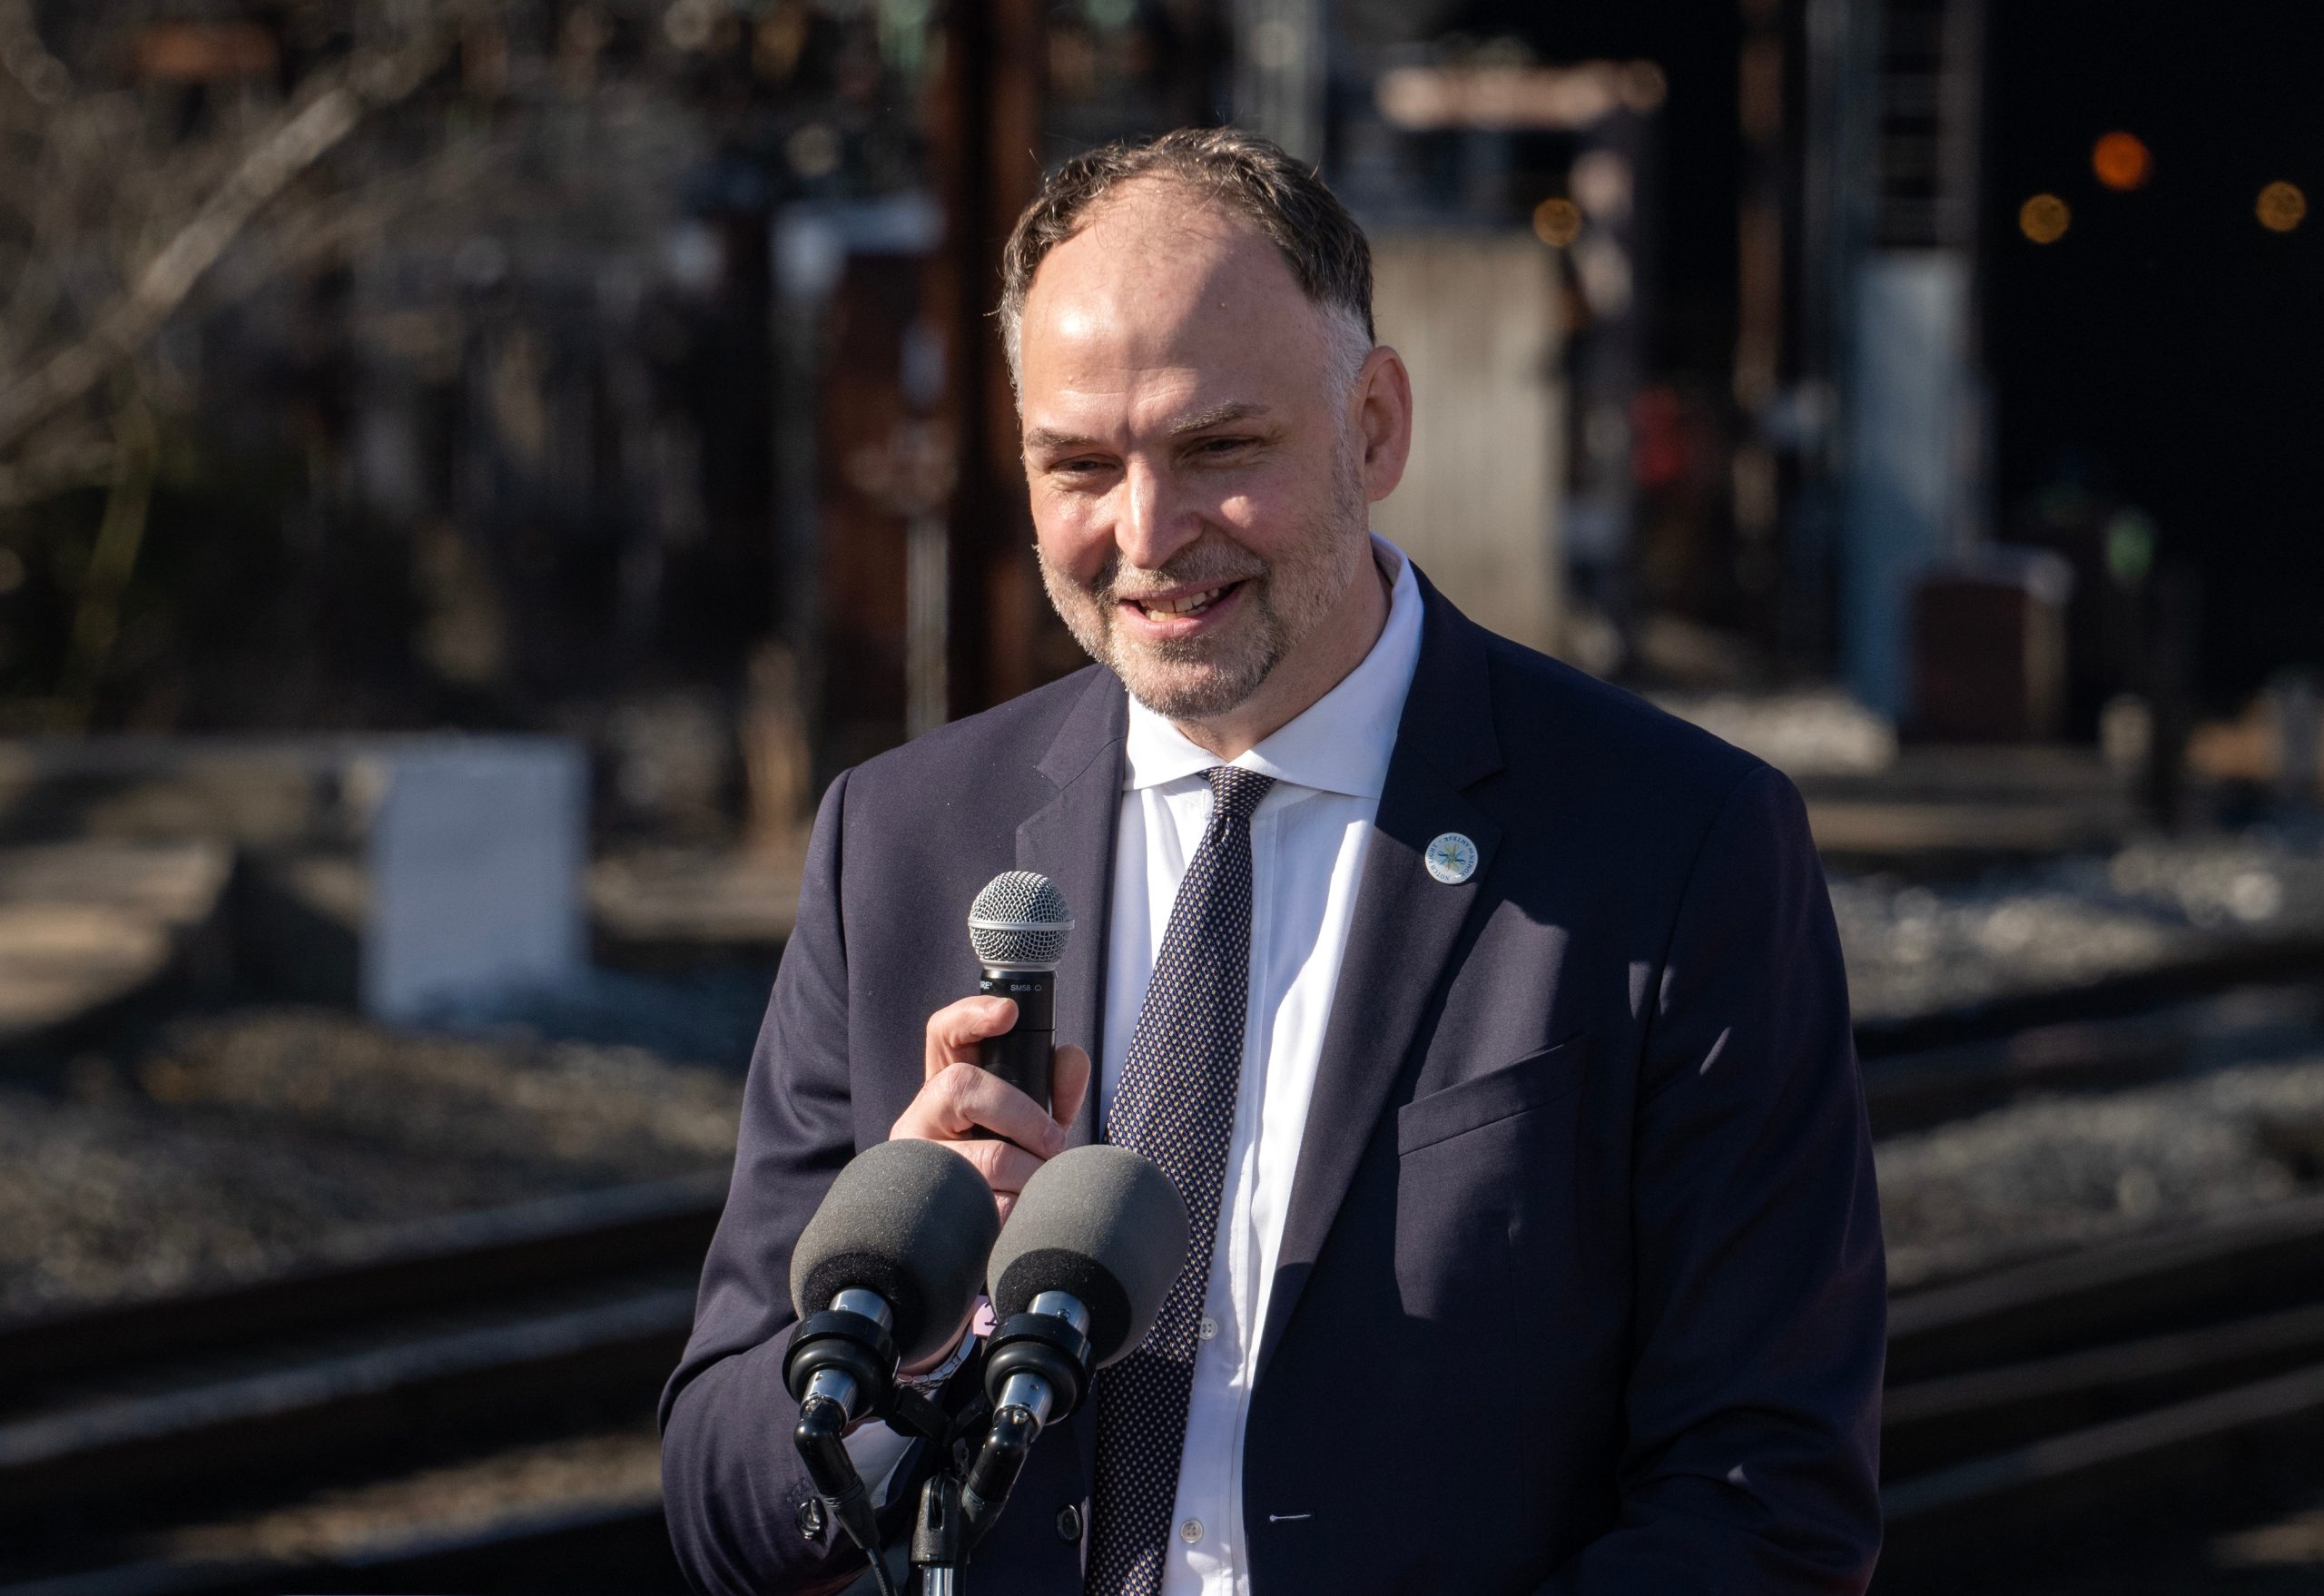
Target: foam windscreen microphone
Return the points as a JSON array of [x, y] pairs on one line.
[[885, 1273], [1018, 927], [1096, 1239], [1102, 1225], [911, 1223]]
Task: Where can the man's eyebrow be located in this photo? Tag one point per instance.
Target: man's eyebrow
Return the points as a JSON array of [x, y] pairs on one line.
[[1217, 416], [1052, 437]]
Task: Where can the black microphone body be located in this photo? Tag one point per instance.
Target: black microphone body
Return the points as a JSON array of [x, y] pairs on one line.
[[1018, 927], [1021, 1054]]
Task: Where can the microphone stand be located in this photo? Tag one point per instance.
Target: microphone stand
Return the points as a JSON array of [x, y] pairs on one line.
[[957, 1507], [939, 1543], [1039, 1360]]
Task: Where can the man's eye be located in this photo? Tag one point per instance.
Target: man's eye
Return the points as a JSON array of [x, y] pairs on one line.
[[1220, 446]]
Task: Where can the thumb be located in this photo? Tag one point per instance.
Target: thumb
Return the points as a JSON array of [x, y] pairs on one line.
[[1068, 1083]]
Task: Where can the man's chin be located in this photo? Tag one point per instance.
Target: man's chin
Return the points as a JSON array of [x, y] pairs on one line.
[[1182, 691]]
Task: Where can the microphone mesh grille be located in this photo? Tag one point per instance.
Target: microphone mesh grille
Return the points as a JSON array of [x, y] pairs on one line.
[[1020, 919]]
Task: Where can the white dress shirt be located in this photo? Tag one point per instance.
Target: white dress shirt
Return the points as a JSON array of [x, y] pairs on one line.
[[1309, 837], [1308, 841]]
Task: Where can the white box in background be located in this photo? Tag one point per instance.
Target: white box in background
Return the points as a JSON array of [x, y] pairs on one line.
[[475, 857]]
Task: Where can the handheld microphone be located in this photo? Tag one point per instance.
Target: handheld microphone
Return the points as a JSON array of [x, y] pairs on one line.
[[885, 1273], [1095, 1243], [1019, 926]]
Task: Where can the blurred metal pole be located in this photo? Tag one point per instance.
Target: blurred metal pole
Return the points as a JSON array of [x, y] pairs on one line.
[[2291, 695], [1281, 72], [927, 594], [1916, 433], [1760, 335], [985, 134], [1831, 220], [2170, 665]]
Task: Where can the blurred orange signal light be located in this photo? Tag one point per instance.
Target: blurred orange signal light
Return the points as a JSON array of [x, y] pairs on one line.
[[2123, 162], [2282, 207], [2044, 219], [1557, 222]]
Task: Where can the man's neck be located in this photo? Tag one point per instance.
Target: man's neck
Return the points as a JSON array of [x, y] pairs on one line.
[[1334, 648]]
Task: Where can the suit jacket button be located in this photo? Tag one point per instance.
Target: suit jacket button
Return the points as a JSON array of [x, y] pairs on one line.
[[811, 1518], [1068, 1524]]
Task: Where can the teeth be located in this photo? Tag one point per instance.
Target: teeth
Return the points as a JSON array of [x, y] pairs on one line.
[[1186, 604]]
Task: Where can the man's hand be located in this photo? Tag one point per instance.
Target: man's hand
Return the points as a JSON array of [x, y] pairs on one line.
[[956, 1097]]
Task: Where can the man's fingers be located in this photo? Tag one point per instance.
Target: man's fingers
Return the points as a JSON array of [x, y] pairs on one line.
[[961, 1097], [957, 1099], [1004, 1166], [1068, 1083], [955, 1029], [984, 1099]]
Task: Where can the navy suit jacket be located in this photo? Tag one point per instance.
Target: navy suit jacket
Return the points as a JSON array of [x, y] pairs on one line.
[[1581, 1288]]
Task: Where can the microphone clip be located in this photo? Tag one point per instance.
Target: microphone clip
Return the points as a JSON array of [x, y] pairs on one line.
[[1046, 1346], [840, 1367], [845, 1354], [1036, 1368]]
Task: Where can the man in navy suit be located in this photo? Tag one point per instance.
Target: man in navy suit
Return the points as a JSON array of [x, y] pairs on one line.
[[1536, 1248]]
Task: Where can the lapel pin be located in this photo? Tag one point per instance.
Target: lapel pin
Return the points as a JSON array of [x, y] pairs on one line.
[[1452, 859]]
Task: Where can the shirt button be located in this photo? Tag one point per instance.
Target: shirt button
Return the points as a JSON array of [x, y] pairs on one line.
[[1209, 1329], [1190, 1531], [1068, 1524], [811, 1519]]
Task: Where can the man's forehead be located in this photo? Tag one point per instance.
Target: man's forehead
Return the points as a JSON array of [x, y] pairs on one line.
[[1135, 214], [1144, 321], [1157, 255]]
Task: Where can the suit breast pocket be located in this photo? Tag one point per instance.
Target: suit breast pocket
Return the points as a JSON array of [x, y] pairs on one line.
[[1535, 1081], [1479, 1165]]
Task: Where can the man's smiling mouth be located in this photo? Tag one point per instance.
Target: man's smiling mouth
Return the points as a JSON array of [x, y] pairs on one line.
[[1183, 604]]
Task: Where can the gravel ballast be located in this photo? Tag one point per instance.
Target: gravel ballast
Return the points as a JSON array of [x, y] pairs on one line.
[[2043, 1177], [1915, 948], [244, 1144]]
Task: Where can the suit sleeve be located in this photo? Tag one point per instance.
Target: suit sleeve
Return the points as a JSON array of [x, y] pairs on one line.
[[732, 1483], [1760, 1312]]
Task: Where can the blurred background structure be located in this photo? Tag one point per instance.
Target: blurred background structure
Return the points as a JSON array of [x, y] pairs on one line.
[[471, 471]]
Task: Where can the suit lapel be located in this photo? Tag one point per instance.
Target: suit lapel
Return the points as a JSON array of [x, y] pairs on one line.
[[1407, 926], [1071, 842]]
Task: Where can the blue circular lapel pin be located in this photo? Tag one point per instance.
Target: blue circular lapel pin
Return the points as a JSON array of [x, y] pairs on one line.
[[1452, 858]]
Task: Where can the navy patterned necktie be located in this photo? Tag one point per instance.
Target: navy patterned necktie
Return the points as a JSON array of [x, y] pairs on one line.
[[1175, 1104]]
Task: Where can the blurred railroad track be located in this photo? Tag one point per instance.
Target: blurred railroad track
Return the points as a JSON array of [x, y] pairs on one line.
[[2080, 1044], [457, 1334], [2014, 1395], [2106, 1387], [2115, 1402]]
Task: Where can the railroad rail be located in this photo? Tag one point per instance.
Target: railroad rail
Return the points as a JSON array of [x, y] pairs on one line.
[[2120, 1383], [417, 1265], [454, 1333], [2161, 1041], [2260, 961], [623, 1550]]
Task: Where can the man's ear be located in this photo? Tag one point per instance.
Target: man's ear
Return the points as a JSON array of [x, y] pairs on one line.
[[1383, 404]]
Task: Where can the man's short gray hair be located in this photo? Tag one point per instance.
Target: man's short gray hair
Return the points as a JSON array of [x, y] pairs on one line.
[[1249, 176]]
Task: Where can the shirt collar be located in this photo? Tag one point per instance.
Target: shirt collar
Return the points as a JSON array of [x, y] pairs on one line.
[[1339, 744]]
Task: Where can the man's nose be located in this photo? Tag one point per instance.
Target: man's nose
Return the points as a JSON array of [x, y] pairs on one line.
[[1155, 522]]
